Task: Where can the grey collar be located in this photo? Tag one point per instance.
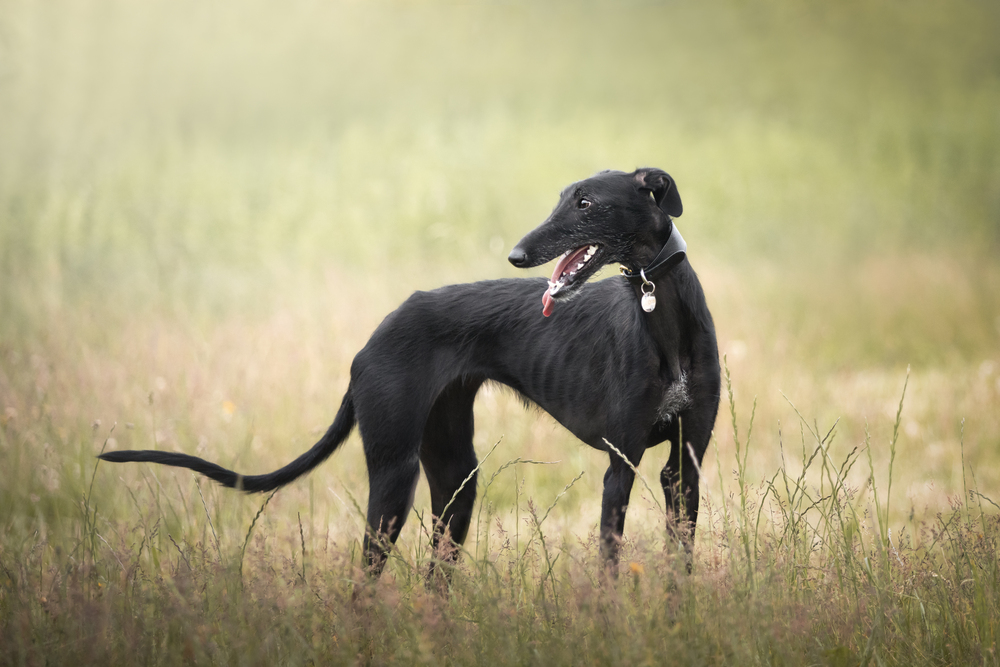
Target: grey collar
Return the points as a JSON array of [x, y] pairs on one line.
[[671, 254]]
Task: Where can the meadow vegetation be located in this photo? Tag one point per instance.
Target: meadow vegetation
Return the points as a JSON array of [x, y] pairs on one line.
[[206, 208]]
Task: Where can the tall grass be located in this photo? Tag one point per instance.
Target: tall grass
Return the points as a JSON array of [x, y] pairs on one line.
[[819, 578]]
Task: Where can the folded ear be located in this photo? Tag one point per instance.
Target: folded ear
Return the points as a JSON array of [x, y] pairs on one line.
[[663, 188]]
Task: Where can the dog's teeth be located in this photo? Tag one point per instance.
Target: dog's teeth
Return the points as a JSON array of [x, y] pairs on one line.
[[592, 249], [579, 266]]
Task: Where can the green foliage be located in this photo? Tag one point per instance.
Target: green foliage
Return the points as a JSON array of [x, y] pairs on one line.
[[205, 159]]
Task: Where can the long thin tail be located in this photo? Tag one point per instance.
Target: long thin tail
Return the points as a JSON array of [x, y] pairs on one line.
[[328, 444]]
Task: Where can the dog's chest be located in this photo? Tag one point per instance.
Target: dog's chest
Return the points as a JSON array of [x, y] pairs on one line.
[[676, 398]]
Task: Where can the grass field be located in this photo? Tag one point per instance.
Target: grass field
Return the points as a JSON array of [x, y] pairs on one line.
[[206, 208]]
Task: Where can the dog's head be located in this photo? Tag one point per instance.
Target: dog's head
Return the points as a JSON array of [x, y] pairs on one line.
[[612, 217]]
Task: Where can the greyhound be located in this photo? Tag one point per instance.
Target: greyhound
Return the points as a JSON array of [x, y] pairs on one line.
[[630, 360]]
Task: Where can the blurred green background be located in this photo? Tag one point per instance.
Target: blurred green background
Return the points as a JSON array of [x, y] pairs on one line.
[[206, 207], [193, 152]]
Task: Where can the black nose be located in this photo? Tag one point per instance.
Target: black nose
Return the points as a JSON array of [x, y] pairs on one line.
[[517, 257]]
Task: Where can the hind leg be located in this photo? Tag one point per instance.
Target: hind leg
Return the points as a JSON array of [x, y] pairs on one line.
[[449, 461], [390, 497], [390, 430]]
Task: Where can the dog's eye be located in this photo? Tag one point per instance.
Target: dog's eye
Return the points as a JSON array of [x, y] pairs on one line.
[[584, 203]]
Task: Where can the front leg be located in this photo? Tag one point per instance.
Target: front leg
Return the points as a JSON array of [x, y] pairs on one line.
[[617, 489], [689, 436]]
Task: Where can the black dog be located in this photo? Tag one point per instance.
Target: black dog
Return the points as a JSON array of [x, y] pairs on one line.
[[606, 365]]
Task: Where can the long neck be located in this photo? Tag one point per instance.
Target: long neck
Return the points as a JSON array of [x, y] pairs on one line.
[[665, 321], [680, 311]]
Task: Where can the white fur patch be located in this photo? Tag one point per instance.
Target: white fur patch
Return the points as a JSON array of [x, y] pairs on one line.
[[675, 399]]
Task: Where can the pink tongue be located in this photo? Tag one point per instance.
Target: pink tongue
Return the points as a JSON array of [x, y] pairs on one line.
[[548, 303]]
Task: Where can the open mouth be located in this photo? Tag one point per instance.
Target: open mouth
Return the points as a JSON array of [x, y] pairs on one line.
[[564, 276]]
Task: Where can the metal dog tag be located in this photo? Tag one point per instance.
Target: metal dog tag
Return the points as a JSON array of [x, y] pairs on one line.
[[648, 302]]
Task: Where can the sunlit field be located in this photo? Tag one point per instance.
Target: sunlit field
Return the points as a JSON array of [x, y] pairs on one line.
[[207, 208]]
